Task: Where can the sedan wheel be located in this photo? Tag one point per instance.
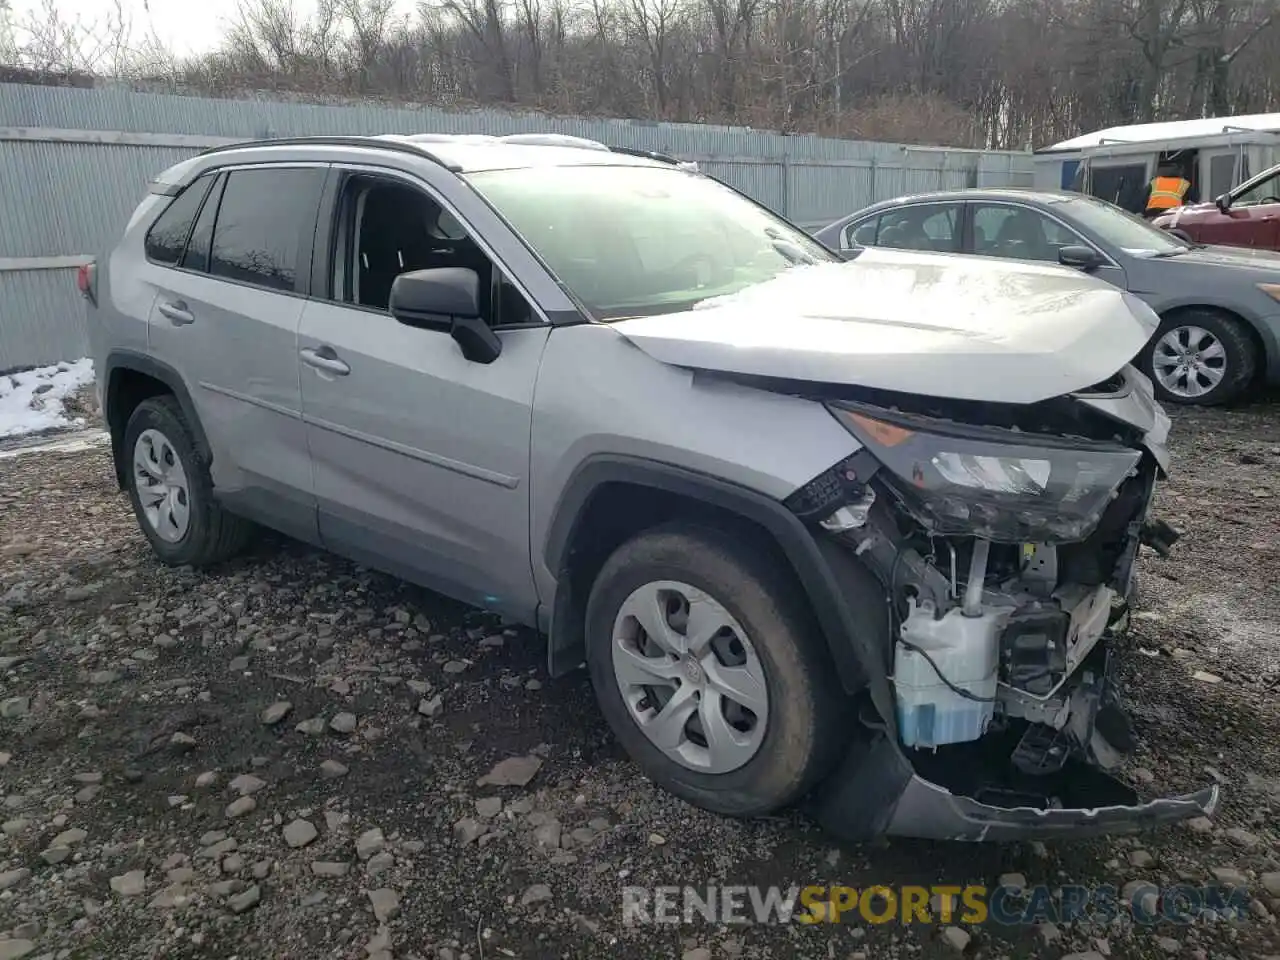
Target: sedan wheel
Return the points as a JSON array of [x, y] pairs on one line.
[[1189, 362], [1200, 356]]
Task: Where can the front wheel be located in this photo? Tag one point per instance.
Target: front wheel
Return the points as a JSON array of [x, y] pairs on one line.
[[1200, 357], [712, 672]]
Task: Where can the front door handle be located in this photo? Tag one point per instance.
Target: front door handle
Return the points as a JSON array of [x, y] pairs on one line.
[[324, 358], [177, 312]]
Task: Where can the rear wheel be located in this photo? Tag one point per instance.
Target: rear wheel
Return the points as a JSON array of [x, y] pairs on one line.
[[712, 672], [172, 492], [1200, 357]]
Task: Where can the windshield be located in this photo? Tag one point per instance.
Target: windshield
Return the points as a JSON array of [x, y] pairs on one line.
[[632, 241], [1121, 229]]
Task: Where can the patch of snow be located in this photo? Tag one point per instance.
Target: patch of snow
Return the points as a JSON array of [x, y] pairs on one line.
[[74, 442], [31, 401]]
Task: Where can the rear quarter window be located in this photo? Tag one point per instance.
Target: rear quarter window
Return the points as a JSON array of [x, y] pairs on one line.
[[860, 234], [167, 237]]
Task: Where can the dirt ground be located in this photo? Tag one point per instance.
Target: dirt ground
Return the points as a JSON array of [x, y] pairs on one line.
[[283, 758]]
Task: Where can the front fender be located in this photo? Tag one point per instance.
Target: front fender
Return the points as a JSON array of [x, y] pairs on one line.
[[847, 600]]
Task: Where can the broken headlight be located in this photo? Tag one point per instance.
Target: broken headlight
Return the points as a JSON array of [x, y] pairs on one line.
[[990, 482]]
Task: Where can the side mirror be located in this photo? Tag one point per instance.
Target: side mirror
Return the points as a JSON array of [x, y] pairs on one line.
[[446, 299], [1080, 257], [1223, 202]]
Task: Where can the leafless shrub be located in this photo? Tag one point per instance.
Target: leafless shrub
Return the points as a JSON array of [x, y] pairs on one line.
[[991, 73]]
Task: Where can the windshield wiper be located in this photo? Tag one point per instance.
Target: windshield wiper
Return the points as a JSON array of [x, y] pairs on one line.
[[789, 251], [792, 253]]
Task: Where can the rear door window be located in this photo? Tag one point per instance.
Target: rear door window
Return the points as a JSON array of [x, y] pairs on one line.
[[266, 221], [167, 237]]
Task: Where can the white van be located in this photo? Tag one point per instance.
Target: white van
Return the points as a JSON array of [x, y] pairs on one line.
[[1214, 154]]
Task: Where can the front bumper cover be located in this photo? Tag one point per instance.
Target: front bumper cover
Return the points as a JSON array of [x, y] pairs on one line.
[[877, 792]]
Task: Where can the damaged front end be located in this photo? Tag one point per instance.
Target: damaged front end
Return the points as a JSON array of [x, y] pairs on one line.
[[1004, 538]]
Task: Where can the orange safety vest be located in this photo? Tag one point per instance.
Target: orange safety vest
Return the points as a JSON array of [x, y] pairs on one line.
[[1167, 193]]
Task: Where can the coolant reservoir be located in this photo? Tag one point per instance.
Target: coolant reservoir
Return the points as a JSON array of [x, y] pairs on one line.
[[966, 651]]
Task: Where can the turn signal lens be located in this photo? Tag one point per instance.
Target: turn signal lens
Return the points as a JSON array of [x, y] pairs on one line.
[[885, 434]]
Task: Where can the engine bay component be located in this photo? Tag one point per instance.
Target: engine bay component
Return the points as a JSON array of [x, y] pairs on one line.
[[945, 674], [1006, 554], [1033, 649]]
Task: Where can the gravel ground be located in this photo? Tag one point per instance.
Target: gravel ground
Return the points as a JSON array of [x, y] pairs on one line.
[[294, 757]]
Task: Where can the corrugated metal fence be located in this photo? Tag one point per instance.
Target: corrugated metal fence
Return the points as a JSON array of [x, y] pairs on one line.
[[75, 162]]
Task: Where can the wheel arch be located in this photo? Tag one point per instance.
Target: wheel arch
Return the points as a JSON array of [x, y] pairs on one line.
[[132, 377], [649, 490]]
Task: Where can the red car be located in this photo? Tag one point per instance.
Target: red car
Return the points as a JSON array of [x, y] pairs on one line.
[[1247, 216]]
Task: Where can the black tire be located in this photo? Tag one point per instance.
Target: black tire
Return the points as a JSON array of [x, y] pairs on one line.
[[806, 727], [1241, 356], [212, 534]]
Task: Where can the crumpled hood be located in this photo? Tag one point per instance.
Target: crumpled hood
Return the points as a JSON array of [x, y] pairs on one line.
[[966, 328]]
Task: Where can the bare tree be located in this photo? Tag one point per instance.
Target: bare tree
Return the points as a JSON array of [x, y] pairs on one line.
[[989, 73]]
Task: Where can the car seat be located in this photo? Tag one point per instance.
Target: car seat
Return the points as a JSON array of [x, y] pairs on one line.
[[1020, 237], [393, 240], [893, 236]]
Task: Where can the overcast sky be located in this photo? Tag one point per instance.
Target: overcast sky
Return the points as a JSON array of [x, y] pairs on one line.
[[184, 26]]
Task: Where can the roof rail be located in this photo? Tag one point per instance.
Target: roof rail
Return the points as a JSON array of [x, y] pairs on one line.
[[417, 144], [647, 154], [552, 140], [439, 137], [387, 142]]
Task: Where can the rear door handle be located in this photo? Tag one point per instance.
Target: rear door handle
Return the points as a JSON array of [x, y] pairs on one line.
[[177, 312], [324, 358]]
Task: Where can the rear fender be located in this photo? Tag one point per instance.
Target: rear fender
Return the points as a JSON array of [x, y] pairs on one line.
[[115, 377]]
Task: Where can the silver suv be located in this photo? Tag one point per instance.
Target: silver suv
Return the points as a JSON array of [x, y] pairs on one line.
[[857, 532]]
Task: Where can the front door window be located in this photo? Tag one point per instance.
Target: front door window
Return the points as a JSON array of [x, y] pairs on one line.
[[1264, 191], [1018, 233]]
